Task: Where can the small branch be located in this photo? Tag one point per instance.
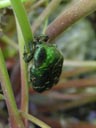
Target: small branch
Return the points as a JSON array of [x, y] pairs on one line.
[[79, 83], [48, 11], [75, 103], [77, 71], [37, 4], [35, 120], [61, 96], [79, 63], [24, 75], [73, 12], [15, 119]]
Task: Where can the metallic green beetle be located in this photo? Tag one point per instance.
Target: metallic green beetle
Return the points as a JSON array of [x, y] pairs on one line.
[[47, 64]]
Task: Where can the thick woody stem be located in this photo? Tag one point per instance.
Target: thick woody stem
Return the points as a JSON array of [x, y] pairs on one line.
[[73, 12]]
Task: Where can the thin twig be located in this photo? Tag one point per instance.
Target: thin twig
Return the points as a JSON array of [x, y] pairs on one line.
[[37, 4], [85, 82], [35, 120], [78, 63], [67, 105], [48, 11], [77, 71], [24, 75]]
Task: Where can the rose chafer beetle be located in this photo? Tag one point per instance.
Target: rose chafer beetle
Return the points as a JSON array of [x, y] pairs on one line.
[[47, 64]]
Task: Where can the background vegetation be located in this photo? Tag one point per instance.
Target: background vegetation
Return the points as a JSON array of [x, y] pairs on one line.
[[72, 102]]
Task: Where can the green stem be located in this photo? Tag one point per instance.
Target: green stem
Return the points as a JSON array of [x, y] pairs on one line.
[[24, 75], [35, 120], [23, 22], [45, 26], [46, 21], [6, 3], [15, 119], [2, 97]]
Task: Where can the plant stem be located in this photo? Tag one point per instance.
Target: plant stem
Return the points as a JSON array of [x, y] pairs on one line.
[[48, 11], [45, 26], [15, 119], [24, 75], [23, 22], [35, 120], [2, 97], [79, 83], [37, 4], [77, 71], [73, 12], [46, 21], [6, 3], [80, 63], [72, 104], [8, 41]]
